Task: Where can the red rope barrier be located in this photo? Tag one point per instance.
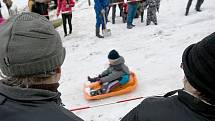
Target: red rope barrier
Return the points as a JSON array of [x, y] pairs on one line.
[[121, 101]]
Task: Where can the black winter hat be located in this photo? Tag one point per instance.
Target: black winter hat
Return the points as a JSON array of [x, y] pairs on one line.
[[199, 66], [113, 54]]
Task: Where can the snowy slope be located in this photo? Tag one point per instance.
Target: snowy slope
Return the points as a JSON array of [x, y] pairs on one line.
[[152, 52]]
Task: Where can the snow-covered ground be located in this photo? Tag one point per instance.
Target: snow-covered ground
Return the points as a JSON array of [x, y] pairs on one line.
[[152, 52]]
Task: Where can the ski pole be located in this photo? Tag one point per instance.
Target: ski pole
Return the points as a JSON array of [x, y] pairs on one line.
[[101, 105]]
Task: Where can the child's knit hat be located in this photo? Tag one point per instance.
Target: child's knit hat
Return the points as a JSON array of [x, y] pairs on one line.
[[113, 54]]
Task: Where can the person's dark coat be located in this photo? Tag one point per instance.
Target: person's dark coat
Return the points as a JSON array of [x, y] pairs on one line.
[[181, 107], [21, 104], [41, 8], [0, 11]]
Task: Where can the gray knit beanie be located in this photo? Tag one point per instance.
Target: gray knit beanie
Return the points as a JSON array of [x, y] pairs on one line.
[[29, 45]]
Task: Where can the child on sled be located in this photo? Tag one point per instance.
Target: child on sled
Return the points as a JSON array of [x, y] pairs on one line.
[[116, 74]]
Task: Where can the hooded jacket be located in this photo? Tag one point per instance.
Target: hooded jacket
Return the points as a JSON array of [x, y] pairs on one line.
[[21, 104], [115, 71], [181, 107]]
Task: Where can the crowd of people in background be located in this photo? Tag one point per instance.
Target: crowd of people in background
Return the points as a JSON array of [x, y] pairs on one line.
[[64, 7], [128, 11]]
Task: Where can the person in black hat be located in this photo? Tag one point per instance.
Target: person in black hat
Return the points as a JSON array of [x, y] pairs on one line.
[[116, 74], [196, 101]]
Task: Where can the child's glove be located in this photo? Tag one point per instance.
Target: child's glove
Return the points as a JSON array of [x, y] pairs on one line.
[[93, 79]]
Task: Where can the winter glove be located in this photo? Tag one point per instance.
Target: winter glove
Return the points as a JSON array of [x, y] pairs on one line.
[[103, 11], [93, 79]]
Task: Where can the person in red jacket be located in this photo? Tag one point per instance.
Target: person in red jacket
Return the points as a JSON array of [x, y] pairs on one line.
[[65, 7]]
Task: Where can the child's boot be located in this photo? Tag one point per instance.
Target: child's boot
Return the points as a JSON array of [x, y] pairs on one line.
[[95, 92]]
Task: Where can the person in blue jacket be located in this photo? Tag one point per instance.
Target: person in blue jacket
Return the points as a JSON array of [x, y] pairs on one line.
[[100, 9]]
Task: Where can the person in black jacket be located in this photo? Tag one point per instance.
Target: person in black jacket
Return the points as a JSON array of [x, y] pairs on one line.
[[196, 102], [198, 6], [30, 60], [120, 5], [41, 8], [0, 11]]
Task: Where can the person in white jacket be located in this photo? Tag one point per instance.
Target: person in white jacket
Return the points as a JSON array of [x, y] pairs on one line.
[[4, 11], [1, 17], [11, 6]]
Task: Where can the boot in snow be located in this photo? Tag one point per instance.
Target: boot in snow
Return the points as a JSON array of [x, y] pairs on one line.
[[142, 20], [198, 5], [113, 21], [97, 33], [129, 26], [187, 11]]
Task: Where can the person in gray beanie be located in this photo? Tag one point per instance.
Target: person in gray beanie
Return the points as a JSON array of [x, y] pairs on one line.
[[30, 61], [196, 102]]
